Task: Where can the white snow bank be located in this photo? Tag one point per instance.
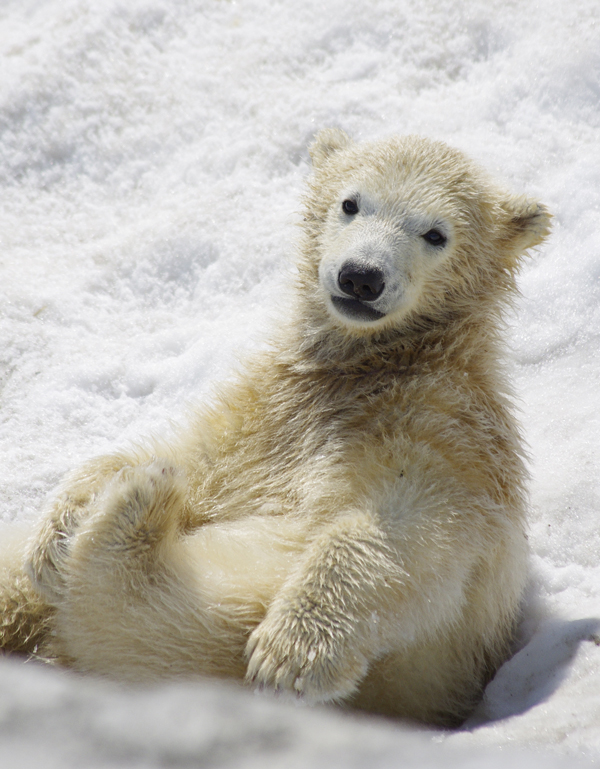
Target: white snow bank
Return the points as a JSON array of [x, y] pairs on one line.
[[51, 719]]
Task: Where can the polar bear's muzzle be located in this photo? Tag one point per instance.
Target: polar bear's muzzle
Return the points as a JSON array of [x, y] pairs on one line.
[[355, 309], [361, 285], [366, 273], [360, 282]]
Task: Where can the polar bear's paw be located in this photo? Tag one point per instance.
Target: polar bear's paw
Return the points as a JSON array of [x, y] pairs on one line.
[[73, 506], [294, 652], [132, 514], [138, 509]]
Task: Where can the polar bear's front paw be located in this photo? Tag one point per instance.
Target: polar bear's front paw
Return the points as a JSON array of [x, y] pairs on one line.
[[292, 652]]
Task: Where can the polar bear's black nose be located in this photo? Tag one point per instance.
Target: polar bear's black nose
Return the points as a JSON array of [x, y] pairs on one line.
[[364, 283]]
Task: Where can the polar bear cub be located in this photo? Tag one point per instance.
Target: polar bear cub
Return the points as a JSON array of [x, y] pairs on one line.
[[345, 521]]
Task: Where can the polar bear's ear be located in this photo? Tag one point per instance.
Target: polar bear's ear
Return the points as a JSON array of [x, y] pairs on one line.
[[326, 142], [527, 223]]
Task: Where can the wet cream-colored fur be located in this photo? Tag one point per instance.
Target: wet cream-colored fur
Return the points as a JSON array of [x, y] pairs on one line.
[[345, 522]]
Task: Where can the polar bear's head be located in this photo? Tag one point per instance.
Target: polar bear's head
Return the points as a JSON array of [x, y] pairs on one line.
[[407, 227]]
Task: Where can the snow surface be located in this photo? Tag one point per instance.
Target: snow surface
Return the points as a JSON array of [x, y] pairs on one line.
[[151, 160]]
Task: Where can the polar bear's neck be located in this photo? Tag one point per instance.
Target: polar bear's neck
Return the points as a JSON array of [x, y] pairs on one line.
[[316, 344]]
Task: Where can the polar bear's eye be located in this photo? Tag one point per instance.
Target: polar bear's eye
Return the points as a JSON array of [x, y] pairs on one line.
[[350, 207], [435, 238]]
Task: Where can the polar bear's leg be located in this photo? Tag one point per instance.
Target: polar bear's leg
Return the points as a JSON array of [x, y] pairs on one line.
[[33, 585], [72, 506], [133, 606], [318, 635], [136, 518], [24, 616]]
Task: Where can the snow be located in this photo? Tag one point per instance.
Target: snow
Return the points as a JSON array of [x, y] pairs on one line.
[[152, 157]]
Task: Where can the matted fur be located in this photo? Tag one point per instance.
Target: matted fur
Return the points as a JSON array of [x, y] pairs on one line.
[[346, 520]]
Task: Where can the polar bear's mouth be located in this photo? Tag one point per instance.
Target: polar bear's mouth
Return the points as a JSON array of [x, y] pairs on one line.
[[354, 309]]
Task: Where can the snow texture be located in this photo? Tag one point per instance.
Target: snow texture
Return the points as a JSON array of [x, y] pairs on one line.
[[152, 156]]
